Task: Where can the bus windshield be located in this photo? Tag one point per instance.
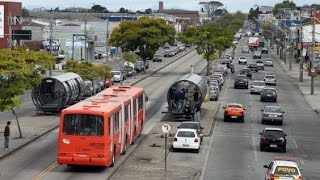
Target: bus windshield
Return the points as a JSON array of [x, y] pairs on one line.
[[83, 125]]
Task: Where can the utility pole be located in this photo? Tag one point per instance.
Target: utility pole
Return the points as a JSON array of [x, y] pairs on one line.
[[10, 31], [51, 29], [300, 55], [312, 50], [290, 41], [107, 40], [85, 38]]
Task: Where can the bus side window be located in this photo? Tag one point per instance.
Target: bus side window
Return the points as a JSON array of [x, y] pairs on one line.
[[116, 122], [109, 126], [135, 107], [140, 101], [126, 113]]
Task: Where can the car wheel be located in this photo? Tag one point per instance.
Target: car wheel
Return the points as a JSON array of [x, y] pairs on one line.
[[262, 121], [242, 119], [247, 87], [256, 70], [174, 150], [275, 100], [235, 86], [225, 119], [281, 123], [197, 150], [284, 149], [262, 68], [261, 100], [261, 148]]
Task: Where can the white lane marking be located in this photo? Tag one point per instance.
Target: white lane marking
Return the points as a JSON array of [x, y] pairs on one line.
[[302, 162], [254, 148], [210, 145], [295, 143]]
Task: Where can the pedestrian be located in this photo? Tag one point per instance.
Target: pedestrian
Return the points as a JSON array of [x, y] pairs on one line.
[[181, 98], [197, 110], [7, 135], [195, 96], [232, 68]]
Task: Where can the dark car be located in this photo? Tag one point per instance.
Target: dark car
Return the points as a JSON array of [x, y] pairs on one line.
[[268, 94], [273, 138], [157, 58], [192, 125], [226, 61], [168, 53], [241, 81], [247, 72], [272, 114], [261, 44], [129, 71], [253, 67], [138, 66]]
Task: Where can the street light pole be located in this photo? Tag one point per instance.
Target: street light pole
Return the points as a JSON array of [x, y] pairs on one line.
[[312, 52], [301, 56], [51, 50]]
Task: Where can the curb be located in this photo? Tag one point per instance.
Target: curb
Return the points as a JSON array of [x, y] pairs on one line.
[[215, 118], [28, 142]]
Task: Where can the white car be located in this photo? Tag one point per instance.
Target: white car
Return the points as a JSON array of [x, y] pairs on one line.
[[214, 93], [283, 168], [219, 76], [186, 139], [243, 60], [270, 79], [117, 76], [257, 86], [224, 67]]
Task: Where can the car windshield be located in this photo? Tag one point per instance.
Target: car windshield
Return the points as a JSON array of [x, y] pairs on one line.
[[286, 170], [272, 109], [270, 77], [241, 77], [189, 125], [273, 133], [186, 134], [244, 70], [242, 58], [259, 62], [234, 106], [252, 65], [157, 56], [128, 68], [258, 83], [269, 91], [116, 72]]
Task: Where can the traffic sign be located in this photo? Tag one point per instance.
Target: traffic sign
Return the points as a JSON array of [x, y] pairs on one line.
[[166, 128]]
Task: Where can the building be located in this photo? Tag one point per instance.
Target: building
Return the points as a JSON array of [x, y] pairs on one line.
[[10, 13]]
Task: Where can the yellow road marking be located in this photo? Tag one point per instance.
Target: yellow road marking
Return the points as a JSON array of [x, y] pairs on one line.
[[45, 171]]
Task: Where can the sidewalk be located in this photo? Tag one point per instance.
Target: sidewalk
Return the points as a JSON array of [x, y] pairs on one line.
[[305, 86], [35, 126]]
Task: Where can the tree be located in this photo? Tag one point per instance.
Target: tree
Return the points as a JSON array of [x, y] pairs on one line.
[[20, 70], [210, 7], [253, 13], [209, 40], [88, 71], [123, 10], [148, 11], [285, 4], [25, 12], [131, 57], [56, 9], [145, 36], [99, 9]]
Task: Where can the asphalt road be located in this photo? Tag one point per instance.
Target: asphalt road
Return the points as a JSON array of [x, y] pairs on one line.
[[37, 160], [234, 147]]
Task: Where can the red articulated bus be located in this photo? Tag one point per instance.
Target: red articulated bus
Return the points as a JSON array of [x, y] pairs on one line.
[[98, 130]]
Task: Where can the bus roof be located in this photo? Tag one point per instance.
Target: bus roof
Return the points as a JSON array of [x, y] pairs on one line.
[[123, 90]]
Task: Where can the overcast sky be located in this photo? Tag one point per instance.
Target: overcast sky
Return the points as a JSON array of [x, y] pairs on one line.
[[115, 5]]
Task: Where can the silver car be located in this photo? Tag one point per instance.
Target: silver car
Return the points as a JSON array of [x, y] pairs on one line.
[[260, 64], [270, 79], [273, 114], [268, 62], [214, 93], [257, 86]]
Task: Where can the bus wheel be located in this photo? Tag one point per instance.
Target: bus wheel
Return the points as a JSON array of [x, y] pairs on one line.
[[125, 146], [113, 158]]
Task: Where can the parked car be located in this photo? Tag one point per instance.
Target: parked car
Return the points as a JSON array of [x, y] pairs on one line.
[[264, 50], [129, 71], [272, 114], [260, 64], [214, 93], [223, 67], [88, 88], [98, 85], [220, 76], [234, 111], [270, 79], [273, 138], [241, 81], [168, 53], [242, 60], [117, 76], [226, 62], [181, 48], [253, 67], [268, 94], [97, 55], [108, 82], [192, 125], [268, 62], [257, 54], [246, 71], [257, 86], [138, 66], [186, 139], [157, 58]]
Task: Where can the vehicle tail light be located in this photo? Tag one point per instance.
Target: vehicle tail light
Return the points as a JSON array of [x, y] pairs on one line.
[[196, 140], [62, 154], [280, 115], [263, 138], [271, 176], [99, 155], [198, 132], [300, 177], [264, 114], [282, 139], [175, 139]]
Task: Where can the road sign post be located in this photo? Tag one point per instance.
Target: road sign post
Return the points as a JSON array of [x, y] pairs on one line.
[[165, 129]]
